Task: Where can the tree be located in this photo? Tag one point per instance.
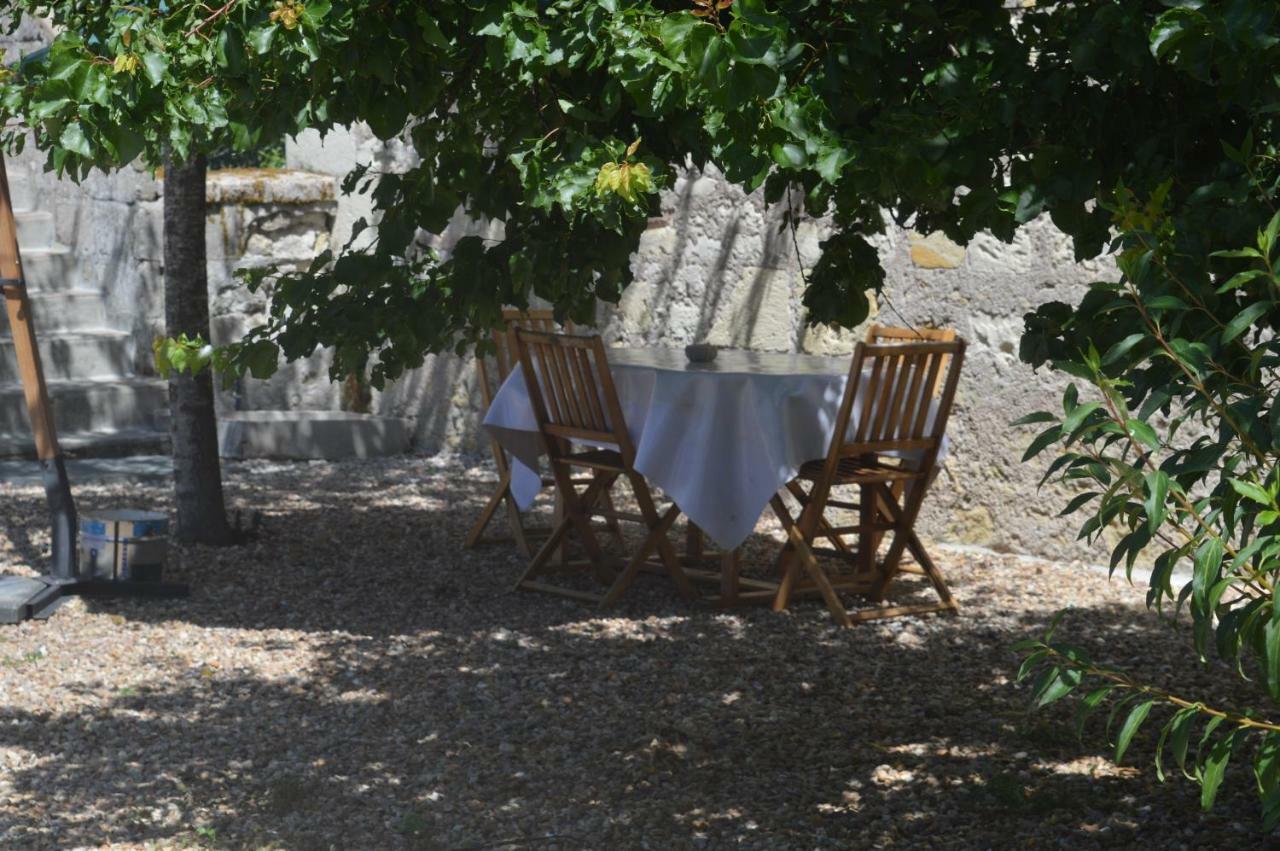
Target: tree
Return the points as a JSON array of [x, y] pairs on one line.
[[170, 83]]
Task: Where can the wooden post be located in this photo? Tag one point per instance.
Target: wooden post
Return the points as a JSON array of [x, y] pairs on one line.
[[58, 489]]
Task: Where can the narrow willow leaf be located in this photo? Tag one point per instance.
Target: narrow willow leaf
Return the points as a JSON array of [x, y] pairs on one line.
[[1029, 663], [1243, 320], [1271, 652], [1143, 433], [1215, 766], [1055, 684], [1157, 492], [1130, 727], [1076, 502], [1078, 415], [1180, 736], [1043, 440], [1251, 491], [1088, 704], [1189, 711], [1036, 417], [1122, 348]]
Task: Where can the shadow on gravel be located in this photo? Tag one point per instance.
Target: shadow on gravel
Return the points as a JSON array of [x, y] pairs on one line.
[[436, 709]]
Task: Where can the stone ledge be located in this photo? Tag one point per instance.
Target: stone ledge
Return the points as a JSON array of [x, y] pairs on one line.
[[269, 186], [325, 435]]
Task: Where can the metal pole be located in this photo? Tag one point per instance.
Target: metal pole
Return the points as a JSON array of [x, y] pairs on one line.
[[13, 283]]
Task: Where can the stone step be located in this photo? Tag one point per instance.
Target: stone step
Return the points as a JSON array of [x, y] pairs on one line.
[[86, 405], [35, 231], [101, 443], [69, 310], [49, 269], [22, 191], [74, 354]]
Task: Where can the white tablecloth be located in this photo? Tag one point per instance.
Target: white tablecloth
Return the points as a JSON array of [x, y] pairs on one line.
[[719, 439]]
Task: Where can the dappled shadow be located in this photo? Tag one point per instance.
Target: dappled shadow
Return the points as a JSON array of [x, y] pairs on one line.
[[353, 679]]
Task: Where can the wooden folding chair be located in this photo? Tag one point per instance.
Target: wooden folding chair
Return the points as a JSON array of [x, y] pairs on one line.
[[889, 336], [504, 361], [574, 401], [891, 386]]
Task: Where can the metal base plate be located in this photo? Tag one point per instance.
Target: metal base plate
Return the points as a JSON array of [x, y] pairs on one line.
[[22, 597], [107, 588]]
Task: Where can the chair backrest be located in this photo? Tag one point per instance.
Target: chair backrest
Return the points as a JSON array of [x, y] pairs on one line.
[[505, 360], [572, 390], [888, 335], [890, 388]]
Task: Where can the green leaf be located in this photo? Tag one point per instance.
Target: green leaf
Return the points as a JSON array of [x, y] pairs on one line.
[[1242, 320], [1122, 348], [1055, 684], [73, 138], [1130, 726], [1252, 492], [1088, 704], [154, 66], [1143, 433], [1157, 492], [1215, 766], [1037, 417], [1042, 440], [1078, 416], [260, 40], [1169, 726], [1180, 736], [1271, 651]]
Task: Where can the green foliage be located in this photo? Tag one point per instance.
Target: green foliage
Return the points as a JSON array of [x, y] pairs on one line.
[[948, 116], [1172, 430], [127, 81]]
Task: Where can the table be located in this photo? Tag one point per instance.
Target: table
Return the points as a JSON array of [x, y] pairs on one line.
[[718, 438]]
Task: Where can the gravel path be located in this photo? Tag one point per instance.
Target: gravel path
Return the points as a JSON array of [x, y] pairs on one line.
[[352, 678]]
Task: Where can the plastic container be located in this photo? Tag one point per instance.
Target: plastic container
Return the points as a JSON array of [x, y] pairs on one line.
[[123, 545]]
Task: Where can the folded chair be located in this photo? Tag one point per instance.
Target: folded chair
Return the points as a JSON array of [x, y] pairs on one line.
[[888, 452], [490, 382], [578, 414]]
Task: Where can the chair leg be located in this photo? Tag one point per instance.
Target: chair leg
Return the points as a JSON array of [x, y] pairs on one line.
[[931, 571], [904, 537], [785, 567], [500, 494], [658, 528], [606, 502], [516, 522], [632, 570], [544, 553], [573, 519], [805, 555], [823, 526]]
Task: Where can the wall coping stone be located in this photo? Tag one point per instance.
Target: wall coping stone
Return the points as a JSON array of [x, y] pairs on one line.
[[269, 186]]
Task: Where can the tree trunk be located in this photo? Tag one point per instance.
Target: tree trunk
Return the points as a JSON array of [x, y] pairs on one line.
[[197, 472]]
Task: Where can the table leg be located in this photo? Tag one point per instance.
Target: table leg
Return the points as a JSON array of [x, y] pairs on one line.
[[693, 546], [868, 538], [730, 562]]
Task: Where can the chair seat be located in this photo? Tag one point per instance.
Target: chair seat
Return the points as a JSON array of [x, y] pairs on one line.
[[599, 459], [857, 471]]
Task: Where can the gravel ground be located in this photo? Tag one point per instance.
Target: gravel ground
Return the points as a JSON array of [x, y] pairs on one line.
[[352, 678]]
